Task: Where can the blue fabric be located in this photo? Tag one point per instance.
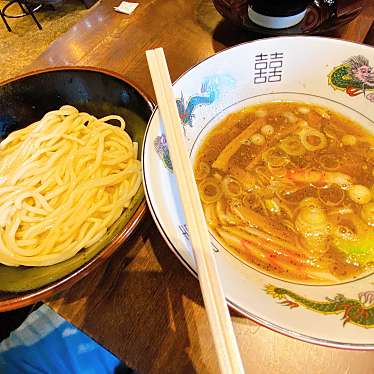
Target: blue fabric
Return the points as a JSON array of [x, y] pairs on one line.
[[46, 343]]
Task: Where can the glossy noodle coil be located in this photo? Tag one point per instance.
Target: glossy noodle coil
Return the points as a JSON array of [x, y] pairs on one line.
[[64, 180]]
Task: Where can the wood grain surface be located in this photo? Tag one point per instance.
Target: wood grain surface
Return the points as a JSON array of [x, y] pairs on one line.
[[142, 304]]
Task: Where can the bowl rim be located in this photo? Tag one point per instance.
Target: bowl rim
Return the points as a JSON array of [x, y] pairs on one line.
[[23, 299]]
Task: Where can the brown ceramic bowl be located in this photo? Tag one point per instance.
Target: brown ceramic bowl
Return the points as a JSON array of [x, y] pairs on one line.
[[323, 16], [27, 98]]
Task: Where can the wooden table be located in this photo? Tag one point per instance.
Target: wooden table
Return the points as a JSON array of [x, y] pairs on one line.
[[142, 304]]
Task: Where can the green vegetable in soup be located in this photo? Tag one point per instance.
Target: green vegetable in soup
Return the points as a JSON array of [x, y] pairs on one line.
[[360, 249]]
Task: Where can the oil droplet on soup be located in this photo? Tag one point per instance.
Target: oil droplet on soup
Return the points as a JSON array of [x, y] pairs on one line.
[[291, 191]]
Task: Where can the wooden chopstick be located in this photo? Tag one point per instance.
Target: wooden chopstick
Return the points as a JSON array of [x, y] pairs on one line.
[[214, 299]]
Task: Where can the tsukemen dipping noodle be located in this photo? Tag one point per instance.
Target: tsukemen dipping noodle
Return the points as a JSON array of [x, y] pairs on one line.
[[64, 180], [289, 189]]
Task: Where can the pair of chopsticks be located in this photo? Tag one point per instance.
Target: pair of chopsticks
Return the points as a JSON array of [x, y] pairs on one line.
[[214, 299]]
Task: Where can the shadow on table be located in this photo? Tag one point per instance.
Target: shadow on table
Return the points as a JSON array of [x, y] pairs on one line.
[[227, 35], [136, 307]]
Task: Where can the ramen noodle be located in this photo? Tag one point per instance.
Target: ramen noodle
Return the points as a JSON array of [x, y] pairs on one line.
[[289, 189], [64, 180]]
